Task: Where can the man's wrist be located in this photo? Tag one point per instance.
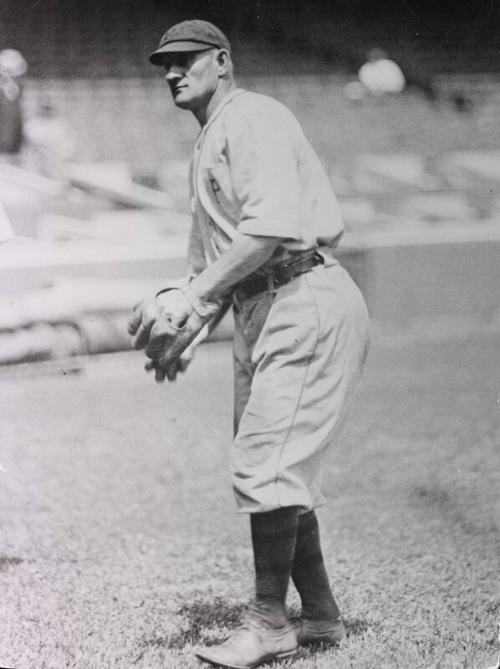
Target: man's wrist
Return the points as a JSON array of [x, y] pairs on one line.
[[176, 284], [204, 308]]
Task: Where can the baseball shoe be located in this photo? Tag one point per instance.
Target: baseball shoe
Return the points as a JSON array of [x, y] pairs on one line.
[[319, 632], [251, 645]]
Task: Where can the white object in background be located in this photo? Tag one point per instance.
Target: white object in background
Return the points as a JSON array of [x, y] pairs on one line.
[[12, 63], [382, 76]]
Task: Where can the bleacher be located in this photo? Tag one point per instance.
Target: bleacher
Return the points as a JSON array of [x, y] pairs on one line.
[[92, 58], [134, 119], [405, 168]]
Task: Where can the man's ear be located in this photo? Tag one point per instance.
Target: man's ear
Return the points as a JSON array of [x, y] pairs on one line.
[[224, 62]]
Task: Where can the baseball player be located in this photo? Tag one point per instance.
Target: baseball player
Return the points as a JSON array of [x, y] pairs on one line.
[[12, 68], [265, 221]]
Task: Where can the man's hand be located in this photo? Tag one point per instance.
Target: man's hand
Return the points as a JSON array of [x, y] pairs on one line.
[[158, 317], [170, 369], [180, 364], [169, 327]]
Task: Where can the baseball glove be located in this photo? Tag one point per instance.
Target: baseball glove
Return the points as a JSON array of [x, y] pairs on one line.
[[181, 322], [174, 366], [168, 323], [151, 310], [171, 325], [168, 363]]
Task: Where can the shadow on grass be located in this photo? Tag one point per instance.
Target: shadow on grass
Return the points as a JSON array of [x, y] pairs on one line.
[[453, 511], [200, 619], [7, 561], [356, 626]]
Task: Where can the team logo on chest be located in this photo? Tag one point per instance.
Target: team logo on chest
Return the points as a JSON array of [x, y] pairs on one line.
[[214, 184]]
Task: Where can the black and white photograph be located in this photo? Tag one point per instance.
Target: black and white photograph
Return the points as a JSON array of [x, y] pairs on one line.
[[249, 334]]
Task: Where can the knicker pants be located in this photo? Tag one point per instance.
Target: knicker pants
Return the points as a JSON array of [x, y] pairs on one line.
[[298, 355]]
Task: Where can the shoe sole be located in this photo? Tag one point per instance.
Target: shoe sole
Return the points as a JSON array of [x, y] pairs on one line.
[[269, 658]]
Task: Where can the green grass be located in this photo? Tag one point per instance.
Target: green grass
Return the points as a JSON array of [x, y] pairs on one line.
[[120, 546]]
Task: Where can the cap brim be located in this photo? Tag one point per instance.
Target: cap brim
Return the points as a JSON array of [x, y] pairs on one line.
[[157, 56]]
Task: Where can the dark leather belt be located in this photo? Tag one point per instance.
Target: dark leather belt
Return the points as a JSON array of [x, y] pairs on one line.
[[279, 274]]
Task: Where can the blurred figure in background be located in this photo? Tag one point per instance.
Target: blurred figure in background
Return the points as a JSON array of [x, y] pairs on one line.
[[13, 66], [381, 75], [50, 141], [378, 76]]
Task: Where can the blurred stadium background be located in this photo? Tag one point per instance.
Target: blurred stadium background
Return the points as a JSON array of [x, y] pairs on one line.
[[417, 173]]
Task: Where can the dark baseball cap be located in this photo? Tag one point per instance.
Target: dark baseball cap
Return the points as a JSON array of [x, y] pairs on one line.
[[194, 35]]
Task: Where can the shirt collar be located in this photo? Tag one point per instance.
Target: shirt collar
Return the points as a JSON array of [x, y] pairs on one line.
[[224, 102]]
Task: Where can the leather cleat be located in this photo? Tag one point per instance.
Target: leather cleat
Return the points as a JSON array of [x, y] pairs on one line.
[[320, 632], [250, 646]]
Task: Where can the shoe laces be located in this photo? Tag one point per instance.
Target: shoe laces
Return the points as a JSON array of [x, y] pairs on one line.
[[247, 625]]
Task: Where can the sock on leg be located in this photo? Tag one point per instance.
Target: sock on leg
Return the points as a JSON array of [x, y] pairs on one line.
[[273, 539], [309, 572]]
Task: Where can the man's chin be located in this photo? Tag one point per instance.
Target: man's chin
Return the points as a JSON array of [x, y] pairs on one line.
[[181, 102]]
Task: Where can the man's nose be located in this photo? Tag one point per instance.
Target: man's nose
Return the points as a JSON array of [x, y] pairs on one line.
[[173, 72]]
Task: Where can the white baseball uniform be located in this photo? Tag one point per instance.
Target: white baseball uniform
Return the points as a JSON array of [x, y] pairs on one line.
[[299, 349]]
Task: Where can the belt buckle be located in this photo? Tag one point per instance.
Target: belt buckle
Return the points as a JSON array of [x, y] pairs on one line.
[[319, 258], [279, 277]]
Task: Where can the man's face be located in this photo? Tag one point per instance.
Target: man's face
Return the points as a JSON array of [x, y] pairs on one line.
[[192, 77]]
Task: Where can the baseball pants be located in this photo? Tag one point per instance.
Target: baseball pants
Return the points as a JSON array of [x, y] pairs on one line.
[[298, 355]]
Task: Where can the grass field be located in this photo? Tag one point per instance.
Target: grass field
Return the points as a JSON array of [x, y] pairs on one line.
[[120, 546]]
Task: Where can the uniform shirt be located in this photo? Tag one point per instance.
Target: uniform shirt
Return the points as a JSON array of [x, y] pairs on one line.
[[254, 171]]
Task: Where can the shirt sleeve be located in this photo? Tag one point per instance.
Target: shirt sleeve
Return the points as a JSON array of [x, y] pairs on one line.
[[263, 158], [196, 254]]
